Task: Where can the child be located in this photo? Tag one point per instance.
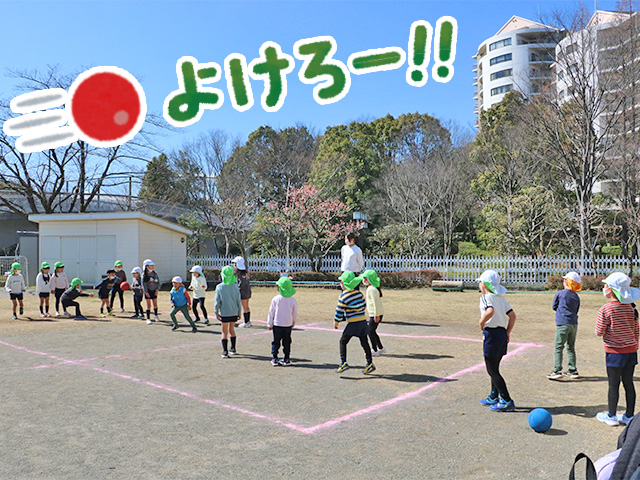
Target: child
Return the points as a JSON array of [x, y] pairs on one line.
[[59, 284], [105, 287], [16, 287], [199, 287], [43, 289], [151, 285], [374, 309], [227, 307], [497, 319], [352, 260], [566, 304], [351, 307], [282, 316], [69, 296], [138, 293], [122, 277], [245, 289], [617, 324], [180, 302]]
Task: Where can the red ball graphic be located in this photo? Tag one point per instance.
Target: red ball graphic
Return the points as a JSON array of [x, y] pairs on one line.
[[107, 106], [124, 286]]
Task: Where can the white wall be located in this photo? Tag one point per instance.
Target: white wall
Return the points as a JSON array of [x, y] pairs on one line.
[[164, 247]]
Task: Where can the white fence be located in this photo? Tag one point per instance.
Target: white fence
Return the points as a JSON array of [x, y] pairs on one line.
[[5, 268], [514, 270]]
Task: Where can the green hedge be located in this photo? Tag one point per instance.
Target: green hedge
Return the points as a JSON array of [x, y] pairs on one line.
[[589, 283]]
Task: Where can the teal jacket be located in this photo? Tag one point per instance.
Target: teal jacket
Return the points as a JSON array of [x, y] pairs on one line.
[[227, 302]]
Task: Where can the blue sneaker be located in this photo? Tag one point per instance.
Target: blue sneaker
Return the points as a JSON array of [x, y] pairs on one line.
[[80, 317], [611, 420], [503, 406], [489, 401]]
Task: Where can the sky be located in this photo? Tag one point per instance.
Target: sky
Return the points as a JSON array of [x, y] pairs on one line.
[[147, 38]]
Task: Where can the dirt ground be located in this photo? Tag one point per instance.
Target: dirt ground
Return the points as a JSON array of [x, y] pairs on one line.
[[116, 398]]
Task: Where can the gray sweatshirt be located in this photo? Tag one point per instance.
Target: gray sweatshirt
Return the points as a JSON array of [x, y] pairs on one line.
[[227, 302]]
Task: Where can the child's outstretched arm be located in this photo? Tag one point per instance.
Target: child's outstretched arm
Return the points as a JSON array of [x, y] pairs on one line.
[[512, 322]]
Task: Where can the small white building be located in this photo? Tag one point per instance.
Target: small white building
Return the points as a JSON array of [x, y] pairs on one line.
[[89, 243]]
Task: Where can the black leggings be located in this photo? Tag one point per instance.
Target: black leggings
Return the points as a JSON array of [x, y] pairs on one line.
[[58, 294], [113, 296], [498, 385], [195, 311], [376, 344], [625, 374], [364, 341], [72, 304]]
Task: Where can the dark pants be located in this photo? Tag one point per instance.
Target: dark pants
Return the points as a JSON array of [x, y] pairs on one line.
[[625, 374], [66, 305], [195, 303], [116, 289], [58, 294], [376, 344], [137, 303], [355, 329], [498, 385], [281, 335]]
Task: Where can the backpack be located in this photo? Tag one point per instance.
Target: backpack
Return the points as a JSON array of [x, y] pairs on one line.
[[626, 460]]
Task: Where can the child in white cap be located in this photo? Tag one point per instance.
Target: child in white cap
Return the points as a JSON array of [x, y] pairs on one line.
[[617, 324], [497, 319], [180, 302], [138, 293], [199, 287], [242, 273], [566, 304], [151, 285]]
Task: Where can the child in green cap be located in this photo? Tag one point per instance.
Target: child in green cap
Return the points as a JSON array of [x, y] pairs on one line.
[[374, 309], [43, 289], [282, 316], [16, 287], [122, 277], [227, 307], [351, 307]]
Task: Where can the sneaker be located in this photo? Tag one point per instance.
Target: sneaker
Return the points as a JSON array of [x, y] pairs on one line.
[[245, 325], [156, 318], [102, 315], [375, 354], [148, 321], [225, 354], [122, 310], [66, 314], [197, 320], [487, 402], [232, 351], [80, 317], [206, 321], [572, 374], [194, 330], [21, 311], [111, 314], [554, 375], [57, 314], [604, 417], [14, 316], [343, 367], [142, 317], [369, 368], [47, 315], [42, 315], [624, 420], [285, 363], [381, 351], [175, 327], [274, 362], [503, 406]]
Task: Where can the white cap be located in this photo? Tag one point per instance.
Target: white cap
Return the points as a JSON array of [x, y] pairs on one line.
[[621, 285], [239, 261], [137, 270], [573, 276], [491, 278], [176, 280], [196, 269], [147, 262]]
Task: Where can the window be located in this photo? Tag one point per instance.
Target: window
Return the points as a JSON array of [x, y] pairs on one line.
[[502, 89], [500, 59], [543, 56], [570, 49], [502, 73], [500, 43]]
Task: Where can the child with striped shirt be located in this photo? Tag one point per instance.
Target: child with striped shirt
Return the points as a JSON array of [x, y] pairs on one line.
[[617, 324], [351, 307]]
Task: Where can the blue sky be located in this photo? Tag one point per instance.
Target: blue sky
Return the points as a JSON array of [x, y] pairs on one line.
[[147, 38]]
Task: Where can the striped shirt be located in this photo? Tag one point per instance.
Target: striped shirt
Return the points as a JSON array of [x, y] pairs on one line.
[[618, 327], [351, 306]]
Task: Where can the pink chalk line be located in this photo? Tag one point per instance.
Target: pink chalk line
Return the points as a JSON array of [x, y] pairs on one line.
[[306, 430]]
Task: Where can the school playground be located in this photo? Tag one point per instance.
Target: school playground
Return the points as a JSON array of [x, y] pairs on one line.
[[116, 398]]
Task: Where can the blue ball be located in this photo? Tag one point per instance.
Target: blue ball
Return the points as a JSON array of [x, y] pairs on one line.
[[540, 420]]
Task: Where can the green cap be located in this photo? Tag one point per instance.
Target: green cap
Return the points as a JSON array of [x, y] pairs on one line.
[[350, 280], [118, 263], [16, 266], [76, 281], [58, 265], [286, 287], [372, 276], [45, 265], [228, 277]]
